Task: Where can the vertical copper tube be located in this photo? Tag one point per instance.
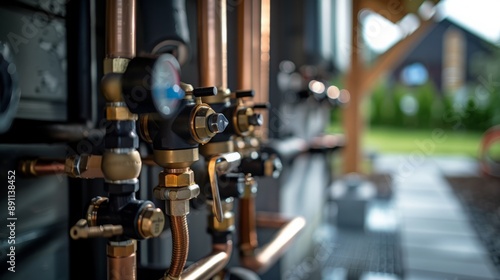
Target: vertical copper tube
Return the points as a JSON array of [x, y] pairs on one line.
[[245, 61], [120, 28], [180, 242], [212, 43], [256, 53], [265, 48], [122, 267], [247, 227]]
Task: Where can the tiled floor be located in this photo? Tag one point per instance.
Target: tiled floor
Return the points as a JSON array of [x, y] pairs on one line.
[[436, 238], [438, 241]]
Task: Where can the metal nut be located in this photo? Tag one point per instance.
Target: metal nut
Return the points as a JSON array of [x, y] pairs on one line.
[[177, 180], [119, 113], [182, 193], [115, 65], [151, 222], [243, 126], [200, 128], [83, 166], [177, 207], [122, 251]]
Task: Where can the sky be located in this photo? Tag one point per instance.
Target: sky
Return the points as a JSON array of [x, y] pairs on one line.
[[481, 16], [478, 16]]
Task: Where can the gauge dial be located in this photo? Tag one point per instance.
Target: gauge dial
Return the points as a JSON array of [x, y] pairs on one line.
[[165, 85]]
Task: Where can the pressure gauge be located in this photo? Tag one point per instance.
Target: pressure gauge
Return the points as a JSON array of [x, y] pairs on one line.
[[151, 85], [166, 90]]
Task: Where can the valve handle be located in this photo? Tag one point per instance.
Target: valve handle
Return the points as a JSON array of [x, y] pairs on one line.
[[82, 230], [266, 106], [218, 165], [204, 91], [245, 93]]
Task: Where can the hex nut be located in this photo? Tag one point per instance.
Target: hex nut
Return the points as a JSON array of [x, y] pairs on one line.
[[122, 251], [177, 180], [182, 193], [177, 207], [115, 65], [118, 113]]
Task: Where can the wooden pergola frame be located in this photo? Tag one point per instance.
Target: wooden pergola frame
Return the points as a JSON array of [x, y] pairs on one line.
[[360, 78]]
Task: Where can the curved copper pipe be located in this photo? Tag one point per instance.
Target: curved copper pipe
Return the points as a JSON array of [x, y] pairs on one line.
[[210, 265], [180, 244], [262, 259]]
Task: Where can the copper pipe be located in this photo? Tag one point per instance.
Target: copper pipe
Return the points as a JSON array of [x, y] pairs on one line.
[[271, 220], [256, 52], [212, 43], [122, 262], [210, 265], [262, 259], [41, 167], [120, 28], [122, 268], [247, 229], [180, 244], [245, 66]]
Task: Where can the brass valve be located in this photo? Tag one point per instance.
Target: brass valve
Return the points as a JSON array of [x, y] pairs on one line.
[[82, 230], [143, 220]]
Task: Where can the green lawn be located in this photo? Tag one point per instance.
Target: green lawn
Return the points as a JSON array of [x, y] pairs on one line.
[[430, 142]]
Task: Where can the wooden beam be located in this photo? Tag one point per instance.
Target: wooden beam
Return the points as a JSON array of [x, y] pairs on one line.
[[390, 58], [352, 118]]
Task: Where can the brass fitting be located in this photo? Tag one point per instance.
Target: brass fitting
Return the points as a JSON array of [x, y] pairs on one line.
[[143, 128], [176, 158], [83, 166], [201, 130], [115, 65], [119, 113], [177, 198], [122, 250], [241, 121], [111, 87], [184, 193], [227, 224], [250, 189], [168, 179], [82, 230], [151, 222], [93, 209], [117, 167]]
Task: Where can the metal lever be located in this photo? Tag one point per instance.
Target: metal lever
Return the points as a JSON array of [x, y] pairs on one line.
[[218, 165]]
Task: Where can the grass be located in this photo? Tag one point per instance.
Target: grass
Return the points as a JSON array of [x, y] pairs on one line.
[[430, 142]]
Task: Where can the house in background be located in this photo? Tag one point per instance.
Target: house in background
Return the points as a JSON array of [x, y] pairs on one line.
[[446, 56], [448, 79]]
